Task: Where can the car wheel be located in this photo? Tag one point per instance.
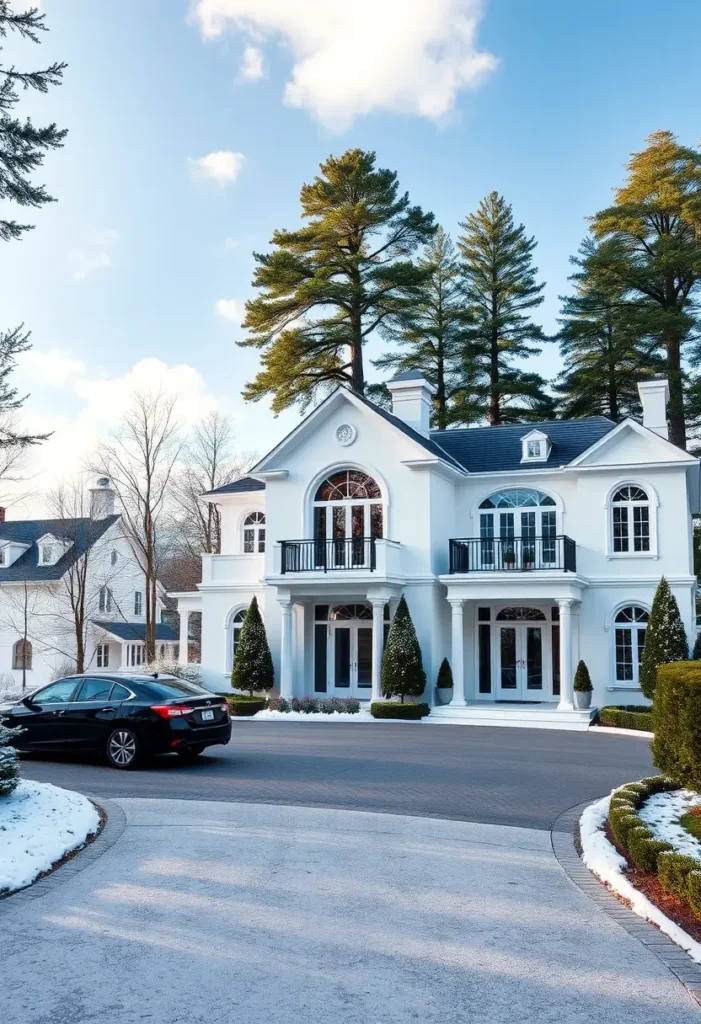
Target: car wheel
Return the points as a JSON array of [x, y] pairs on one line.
[[190, 753], [123, 749]]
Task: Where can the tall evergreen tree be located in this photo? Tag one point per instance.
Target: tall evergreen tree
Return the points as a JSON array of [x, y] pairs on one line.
[[602, 343], [402, 665], [429, 332], [22, 149], [655, 222], [501, 291], [665, 638], [327, 286], [253, 664]]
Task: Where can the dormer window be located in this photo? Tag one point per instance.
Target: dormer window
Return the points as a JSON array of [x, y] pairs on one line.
[[47, 554], [51, 549], [3, 556], [535, 447]]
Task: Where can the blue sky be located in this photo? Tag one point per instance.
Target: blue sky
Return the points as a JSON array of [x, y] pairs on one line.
[[544, 102]]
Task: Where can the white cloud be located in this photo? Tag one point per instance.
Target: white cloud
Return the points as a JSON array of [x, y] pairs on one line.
[[94, 253], [231, 243], [403, 56], [252, 64], [223, 166], [231, 309], [52, 368]]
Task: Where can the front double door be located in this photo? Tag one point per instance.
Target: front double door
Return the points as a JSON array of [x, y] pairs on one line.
[[520, 661], [351, 659]]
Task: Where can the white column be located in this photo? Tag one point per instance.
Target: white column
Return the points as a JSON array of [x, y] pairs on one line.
[[184, 632], [458, 653], [286, 650], [566, 696], [378, 642]]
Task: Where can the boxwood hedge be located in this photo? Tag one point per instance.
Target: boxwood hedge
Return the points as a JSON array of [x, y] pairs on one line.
[[627, 716], [395, 709], [676, 722]]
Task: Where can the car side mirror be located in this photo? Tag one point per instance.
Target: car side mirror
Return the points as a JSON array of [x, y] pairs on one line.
[[28, 701]]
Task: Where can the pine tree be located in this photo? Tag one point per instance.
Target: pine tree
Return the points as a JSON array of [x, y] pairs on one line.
[[602, 341], [429, 332], [253, 664], [500, 291], [9, 761], [327, 286], [655, 223], [402, 666], [665, 638]]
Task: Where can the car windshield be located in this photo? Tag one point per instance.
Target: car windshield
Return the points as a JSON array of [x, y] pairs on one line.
[[175, 688]]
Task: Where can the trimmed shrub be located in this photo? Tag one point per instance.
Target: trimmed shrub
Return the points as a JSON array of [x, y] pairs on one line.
[[629, 830], [245, 707], [397, 709], [644, 849], [402, 666], [673, 870], [665, 638], [253, 664], [696, 656], [676, 723], [630, 716], [344, 705], [9, 761], [278, 704], [445, 676], [309, 705], [693, 891], [305, 705], [582, 679]]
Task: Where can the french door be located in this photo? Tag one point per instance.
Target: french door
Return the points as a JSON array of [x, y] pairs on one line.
[[350, 655], [519, 661], [344, 532], [518, 539]]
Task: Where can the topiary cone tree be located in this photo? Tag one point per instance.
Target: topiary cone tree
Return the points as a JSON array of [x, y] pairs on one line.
[[402, 666], [665, 638], [9, 761], [253, 663], [582, 679], [697, 648], [445, 676]]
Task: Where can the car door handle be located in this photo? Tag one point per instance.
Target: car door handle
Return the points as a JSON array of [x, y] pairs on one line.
[[59, 712], [106, 711]]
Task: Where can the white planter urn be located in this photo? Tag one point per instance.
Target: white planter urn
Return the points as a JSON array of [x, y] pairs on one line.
[[444, 695], [582, 699]]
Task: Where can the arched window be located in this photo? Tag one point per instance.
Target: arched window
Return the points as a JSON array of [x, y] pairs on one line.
[[22, 655], [254, 533], [629, 637], [520, 614], [236, 624], [348, 506], [524, 524], [630, 520]]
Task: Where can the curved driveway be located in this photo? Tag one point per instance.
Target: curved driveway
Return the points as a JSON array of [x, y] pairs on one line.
[[521, 777]]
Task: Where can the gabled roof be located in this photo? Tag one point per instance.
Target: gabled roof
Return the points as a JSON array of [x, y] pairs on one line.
[[428, 443], [246, 483], [498, 449], [137, 630], [81, 533]]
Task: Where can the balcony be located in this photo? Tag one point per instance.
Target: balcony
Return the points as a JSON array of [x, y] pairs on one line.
[[346, 554], [248, 568], [513, 554]]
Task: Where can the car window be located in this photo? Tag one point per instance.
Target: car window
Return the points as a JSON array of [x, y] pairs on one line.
[[56, 693], [174, 688], [94, 689], [119, 692]]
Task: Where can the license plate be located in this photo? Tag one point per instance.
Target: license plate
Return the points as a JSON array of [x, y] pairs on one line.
[[207, 716]]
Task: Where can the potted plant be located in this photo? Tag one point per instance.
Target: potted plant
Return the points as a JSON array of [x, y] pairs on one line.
[[509, 558], [527, 560], [444, 683], [582, 687]]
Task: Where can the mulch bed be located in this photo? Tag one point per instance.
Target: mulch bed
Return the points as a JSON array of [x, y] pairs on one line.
[[650, 886]]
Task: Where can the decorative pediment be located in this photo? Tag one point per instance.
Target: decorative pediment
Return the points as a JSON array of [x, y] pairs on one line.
[[10, 551], [535, 446], [51, 548], [631, 444]]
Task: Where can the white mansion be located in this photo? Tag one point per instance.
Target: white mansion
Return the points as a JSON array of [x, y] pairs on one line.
[[519, 549]]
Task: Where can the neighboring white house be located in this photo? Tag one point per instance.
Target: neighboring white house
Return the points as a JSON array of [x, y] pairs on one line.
[[40, 563], [520, 549]]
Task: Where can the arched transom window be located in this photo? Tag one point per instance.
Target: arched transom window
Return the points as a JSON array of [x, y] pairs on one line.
[[629, 637], [348, 504], [254, 533], [630, 520], [521, 523]]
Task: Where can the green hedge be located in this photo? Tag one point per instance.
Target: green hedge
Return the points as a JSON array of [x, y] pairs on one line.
[[630, 831], [245, 707], [676, 723], [627, 716], [395, 709]]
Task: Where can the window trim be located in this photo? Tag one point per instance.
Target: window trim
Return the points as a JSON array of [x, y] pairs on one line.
[[652, 505], [100, 650], [610, 627], [315, 482], [24, 667], [256, 527]]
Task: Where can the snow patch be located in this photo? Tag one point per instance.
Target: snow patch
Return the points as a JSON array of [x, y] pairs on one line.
[[607, 864], [39, 824], [661, 813]]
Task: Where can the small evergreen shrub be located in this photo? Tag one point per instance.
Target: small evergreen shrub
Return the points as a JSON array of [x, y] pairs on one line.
[[305, 705], [644, 849], [402, 666], [631, 716], [445, 676], [673, 870], [582, 679], [398, 709], [628, 828], [309, 705], [665, 638], [278, 704], [9, 761], [696, 656], [693, 891], [676, 723], [241, 706], [253, 664]]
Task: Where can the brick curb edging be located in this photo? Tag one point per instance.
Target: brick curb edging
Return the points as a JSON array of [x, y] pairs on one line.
[[672, 956], [112, 830]]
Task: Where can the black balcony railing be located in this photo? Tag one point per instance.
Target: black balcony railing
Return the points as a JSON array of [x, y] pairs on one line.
[[513, 554], [328, 555]]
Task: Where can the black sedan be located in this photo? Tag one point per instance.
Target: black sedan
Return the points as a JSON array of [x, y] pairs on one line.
[[125, 718]]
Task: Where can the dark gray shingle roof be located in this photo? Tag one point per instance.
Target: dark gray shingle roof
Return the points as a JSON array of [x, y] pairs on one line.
[[82, 532], [409, 375], [498, 449], [137, 630], [247, 483], [426, 442]]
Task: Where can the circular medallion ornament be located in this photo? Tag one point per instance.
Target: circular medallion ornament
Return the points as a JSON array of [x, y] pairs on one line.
[[346, 434]]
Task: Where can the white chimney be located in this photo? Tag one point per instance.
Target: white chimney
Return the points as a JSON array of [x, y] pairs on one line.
[[411, 400], [102, 499], [654, 395]]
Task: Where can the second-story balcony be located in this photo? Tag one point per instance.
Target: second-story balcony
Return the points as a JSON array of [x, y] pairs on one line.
[[344, 554], [513, 554]]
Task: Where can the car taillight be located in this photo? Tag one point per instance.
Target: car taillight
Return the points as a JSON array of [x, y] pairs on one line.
[[170, 711], [224, 707]]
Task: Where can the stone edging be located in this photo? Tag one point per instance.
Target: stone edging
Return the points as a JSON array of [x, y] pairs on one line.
[[112, 830], [672, 956]]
